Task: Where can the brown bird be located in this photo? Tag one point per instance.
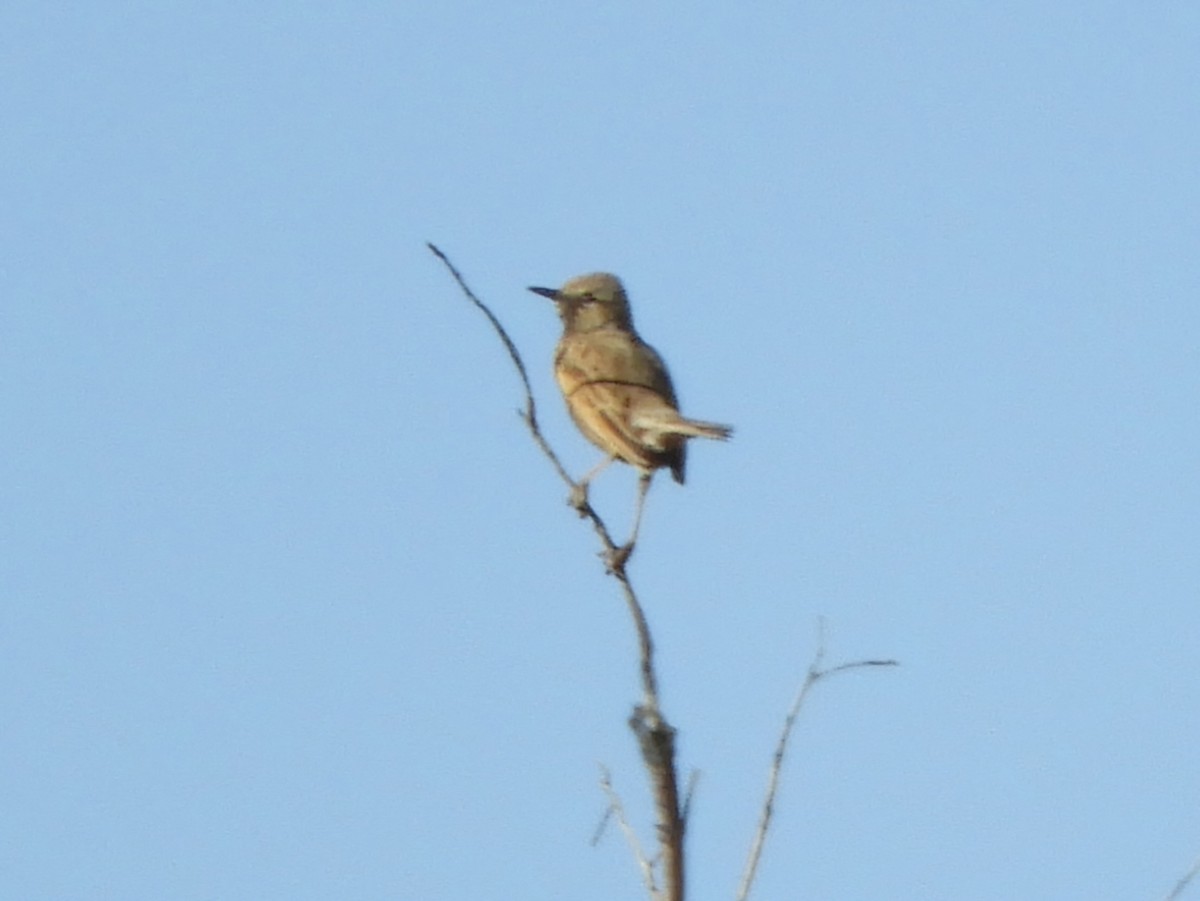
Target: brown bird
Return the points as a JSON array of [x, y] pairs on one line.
[[617, 388]]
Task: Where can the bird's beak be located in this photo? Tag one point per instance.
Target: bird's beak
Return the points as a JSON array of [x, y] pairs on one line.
[[546, 292]]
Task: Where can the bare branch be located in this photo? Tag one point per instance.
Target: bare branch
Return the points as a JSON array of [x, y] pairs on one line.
[[656, 737], [815, 675], [1177, 892]]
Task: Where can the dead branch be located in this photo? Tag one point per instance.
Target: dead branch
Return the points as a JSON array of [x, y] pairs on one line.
[[656, 737]]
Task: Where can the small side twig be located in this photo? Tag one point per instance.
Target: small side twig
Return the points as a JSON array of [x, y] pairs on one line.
[[656, 737], [617, 811], [815, 675], [688, 793], [1177, 891]]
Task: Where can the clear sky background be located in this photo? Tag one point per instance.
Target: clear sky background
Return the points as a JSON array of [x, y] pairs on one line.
[[292, 608]]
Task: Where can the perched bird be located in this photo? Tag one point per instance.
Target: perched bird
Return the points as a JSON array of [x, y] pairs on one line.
[[616, 386]]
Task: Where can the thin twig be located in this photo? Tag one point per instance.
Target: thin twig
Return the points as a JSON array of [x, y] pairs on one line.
[[656, 737], [1191, 874], [815, 675], [529, 414], [617, 810], [689, 792]]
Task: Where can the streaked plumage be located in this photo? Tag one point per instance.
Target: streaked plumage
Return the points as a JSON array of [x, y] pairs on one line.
[[616, 386]]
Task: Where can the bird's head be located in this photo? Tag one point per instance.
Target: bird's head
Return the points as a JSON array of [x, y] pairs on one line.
[[590, 301]]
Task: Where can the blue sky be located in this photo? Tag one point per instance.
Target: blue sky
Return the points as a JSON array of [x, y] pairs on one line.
[[291, 606]]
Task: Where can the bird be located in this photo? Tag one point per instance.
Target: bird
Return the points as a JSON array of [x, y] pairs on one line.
[[617, 388]]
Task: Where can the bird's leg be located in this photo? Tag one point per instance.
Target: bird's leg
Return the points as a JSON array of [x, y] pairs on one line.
[[578, 498], [623, 553], [643, 487]]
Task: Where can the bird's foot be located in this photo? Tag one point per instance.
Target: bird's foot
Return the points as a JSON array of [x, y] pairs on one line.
[[578, 498]]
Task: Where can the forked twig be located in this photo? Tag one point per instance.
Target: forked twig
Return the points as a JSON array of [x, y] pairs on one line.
[[617, 810], [815, 675]]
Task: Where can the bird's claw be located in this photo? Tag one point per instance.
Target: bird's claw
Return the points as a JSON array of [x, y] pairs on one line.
[[578, 498]]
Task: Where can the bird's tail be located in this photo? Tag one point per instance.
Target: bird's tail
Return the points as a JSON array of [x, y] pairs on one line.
[[696, 428], [670, 422]]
